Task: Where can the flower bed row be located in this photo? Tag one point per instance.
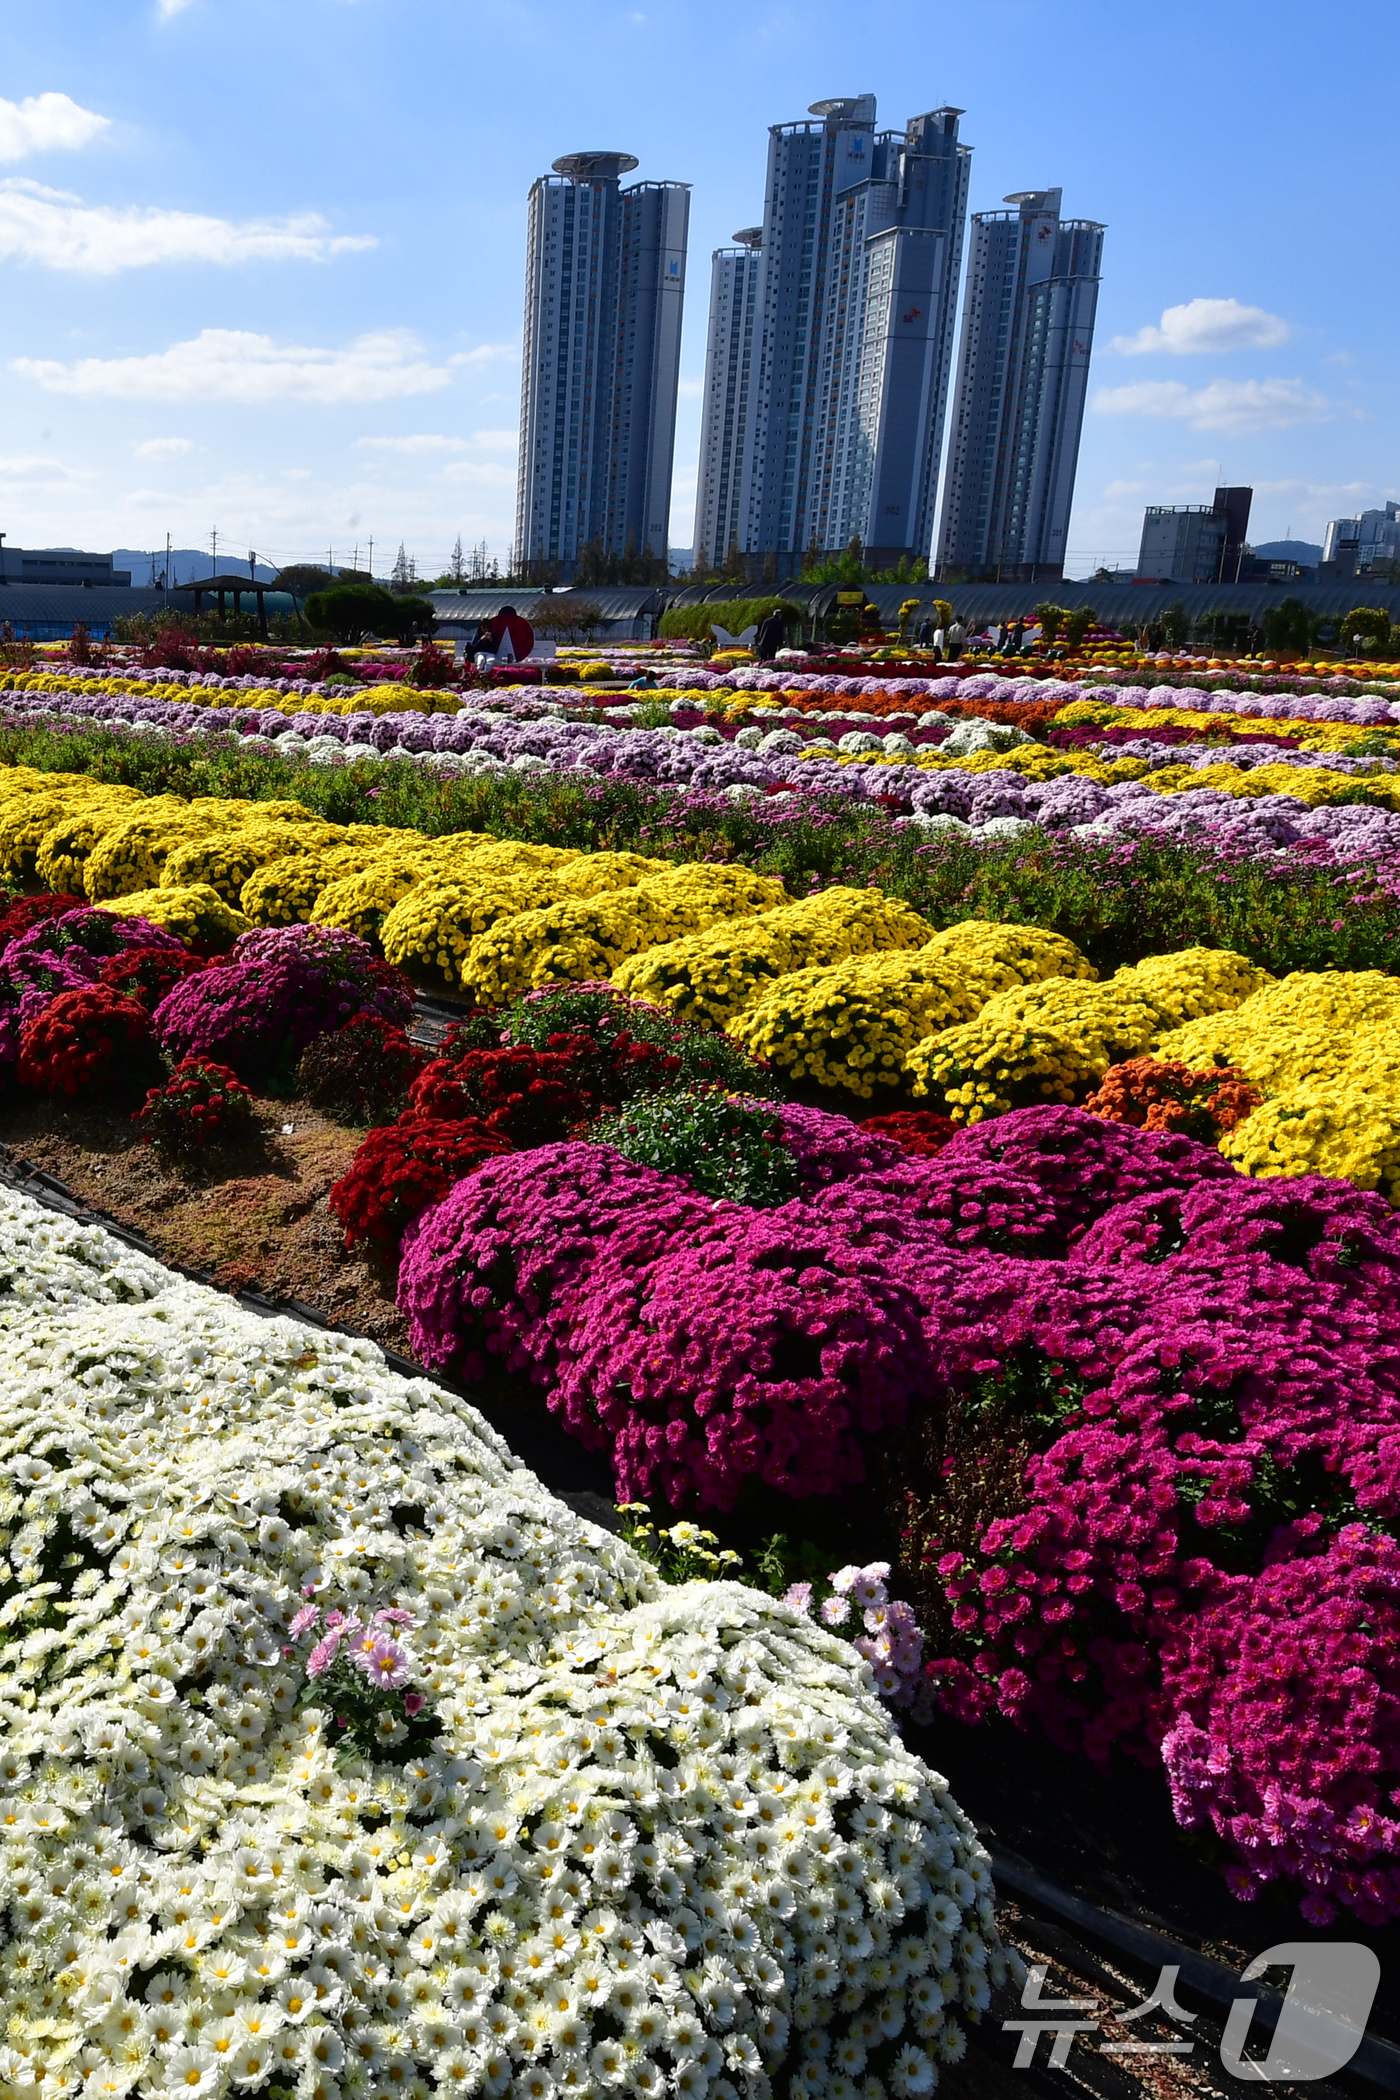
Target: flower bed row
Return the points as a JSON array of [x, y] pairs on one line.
[[987, 777], [846, 989], [338, 1753]]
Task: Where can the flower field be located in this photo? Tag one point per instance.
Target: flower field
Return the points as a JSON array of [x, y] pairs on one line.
[[963, 1134], [565, 1834]]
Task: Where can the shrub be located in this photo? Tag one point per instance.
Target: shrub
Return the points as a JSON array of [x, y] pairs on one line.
[[147, 974], [23, 912], [360, 1073], [827, 1149], [196, 915], [89, 1042], [100, 934], [399, 1170], [279, 989], [1085, 1164], [758, 1349], [529, 1096], [694, 622], [200, 1104], [918, 1130], [1159, 1094], [724, 1146], [638, 1047], [500, 1267]]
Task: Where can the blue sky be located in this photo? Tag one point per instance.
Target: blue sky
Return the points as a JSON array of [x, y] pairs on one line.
[[261, 264]]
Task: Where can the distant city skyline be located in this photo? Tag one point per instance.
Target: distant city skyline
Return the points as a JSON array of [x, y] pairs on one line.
[[295, 316]]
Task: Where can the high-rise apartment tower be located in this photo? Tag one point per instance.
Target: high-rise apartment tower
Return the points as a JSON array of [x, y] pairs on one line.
[[604, 288], [724, 422], [1023, 371], [843, 370]]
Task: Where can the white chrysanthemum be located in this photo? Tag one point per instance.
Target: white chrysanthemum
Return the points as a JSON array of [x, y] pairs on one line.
[[660, 1835]]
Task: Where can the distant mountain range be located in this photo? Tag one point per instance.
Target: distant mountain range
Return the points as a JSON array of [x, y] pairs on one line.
[[186, 565], [1303, 552]]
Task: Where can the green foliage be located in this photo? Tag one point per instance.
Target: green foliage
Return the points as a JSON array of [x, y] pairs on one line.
[[1220, 629], [651, 714], [706, 1059], [694, 622], [1077, 625], [352, 609], [1287, 627], [1371, 622], [1052, 619], [729, 1148], [1176, 623], [847, 568]]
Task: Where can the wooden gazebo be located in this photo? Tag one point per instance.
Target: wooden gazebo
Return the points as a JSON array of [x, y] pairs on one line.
[[223, 587]]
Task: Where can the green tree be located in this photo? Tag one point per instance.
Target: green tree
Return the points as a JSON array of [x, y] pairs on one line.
[[1052, 619], [353, 609], [1176, 624], [1077, 625], [1287, 628], [560, 616], [1365, 626], [1219, 629]]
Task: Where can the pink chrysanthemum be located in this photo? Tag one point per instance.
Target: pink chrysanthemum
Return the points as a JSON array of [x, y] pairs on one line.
[[384, 1663]]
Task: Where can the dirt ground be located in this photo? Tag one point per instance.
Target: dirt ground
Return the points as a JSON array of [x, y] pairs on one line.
[[252, 1217]]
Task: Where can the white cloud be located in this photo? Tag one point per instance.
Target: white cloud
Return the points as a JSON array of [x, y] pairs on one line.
[[56, 229], [165, 9], [26, 468], [1207, 325], [163, 448], [480, 473], [1225, 404], [45, 123], [415, 447], [227, 364]]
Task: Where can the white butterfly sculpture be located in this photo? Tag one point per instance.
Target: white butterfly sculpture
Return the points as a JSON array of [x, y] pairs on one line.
[[727, 640]]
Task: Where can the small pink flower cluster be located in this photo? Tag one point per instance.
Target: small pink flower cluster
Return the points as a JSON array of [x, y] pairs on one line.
[[892, 1640], [371, 1646]]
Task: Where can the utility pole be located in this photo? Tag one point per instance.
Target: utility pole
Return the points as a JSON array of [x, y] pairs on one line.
[[167, 562], [252, 566], [371, 557], [215, 537]]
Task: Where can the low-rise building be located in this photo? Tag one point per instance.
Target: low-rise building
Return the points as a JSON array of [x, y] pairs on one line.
[[59, 565], [1195, 542]]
